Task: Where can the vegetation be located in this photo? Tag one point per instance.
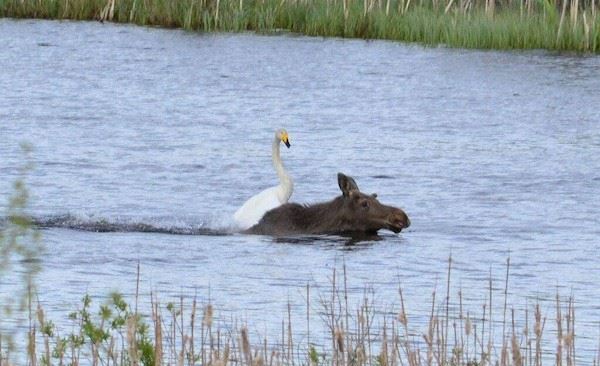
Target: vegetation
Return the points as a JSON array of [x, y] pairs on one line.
[[116, 334], [564, 25], [20, 252]]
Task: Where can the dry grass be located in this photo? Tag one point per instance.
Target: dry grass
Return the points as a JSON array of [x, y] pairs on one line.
[[363, 335]]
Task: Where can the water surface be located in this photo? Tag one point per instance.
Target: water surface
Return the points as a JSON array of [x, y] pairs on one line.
[[492, 154]]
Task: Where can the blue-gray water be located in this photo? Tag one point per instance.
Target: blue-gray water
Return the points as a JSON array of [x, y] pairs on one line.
[[491, 154]]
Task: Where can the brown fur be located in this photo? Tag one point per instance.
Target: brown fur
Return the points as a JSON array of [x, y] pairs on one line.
[[353, 211]]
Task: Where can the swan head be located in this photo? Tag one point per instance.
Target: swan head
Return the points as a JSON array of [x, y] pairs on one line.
[[283, 136]]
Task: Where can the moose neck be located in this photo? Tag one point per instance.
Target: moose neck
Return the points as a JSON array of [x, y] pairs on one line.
[[326, 216]]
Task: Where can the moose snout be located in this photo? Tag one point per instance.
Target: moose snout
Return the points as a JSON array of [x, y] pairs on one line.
[[399, 219]]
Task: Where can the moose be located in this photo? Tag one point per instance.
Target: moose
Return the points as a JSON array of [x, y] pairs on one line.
[[352, 212]]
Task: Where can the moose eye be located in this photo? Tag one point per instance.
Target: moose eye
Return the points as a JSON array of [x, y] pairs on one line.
[[365, 204]]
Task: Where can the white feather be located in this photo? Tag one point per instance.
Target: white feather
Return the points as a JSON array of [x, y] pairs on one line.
[[253, 210]]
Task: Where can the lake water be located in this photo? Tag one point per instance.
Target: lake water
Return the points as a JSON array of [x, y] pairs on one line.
[[491, 154]]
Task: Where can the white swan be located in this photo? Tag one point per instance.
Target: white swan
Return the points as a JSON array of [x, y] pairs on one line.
[[253, 210]]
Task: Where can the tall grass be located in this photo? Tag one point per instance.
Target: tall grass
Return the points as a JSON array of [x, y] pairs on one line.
[[366, 334], [563, 25]]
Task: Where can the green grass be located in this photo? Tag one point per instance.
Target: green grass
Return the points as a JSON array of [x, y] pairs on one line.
[[512, 24]]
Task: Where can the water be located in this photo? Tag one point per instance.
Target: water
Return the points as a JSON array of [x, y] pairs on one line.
[[491, 154]]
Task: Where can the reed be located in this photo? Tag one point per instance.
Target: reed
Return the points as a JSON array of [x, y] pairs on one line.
[[368, 334], [561, 25]]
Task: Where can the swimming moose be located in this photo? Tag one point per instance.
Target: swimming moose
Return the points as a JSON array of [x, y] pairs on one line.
[[352, 212]]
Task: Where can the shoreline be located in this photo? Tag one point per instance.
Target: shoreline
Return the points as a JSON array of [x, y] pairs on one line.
[[466, 24]]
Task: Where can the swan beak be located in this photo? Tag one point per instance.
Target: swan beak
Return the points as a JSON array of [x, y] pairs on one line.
[[287, 143]]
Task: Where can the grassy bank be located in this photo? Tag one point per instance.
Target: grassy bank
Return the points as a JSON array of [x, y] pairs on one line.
[[565, 25]]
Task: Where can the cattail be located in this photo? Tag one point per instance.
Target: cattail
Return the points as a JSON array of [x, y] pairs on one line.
[[339, 338], [31, 347], [274, 356], [258, 361], [383, 354], [360, 355], [516, 352], [158, 352], [110, 351], [40, 315], [468, 326], [208, 316], [215, 360], [568, 339], [225, 357], [402, 319], [538, 321], [362, 320], [131, 341], [245, 343]]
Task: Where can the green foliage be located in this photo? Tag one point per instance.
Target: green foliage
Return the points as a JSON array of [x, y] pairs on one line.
[[20, 252], [60, 348], [97, 331], [146, 349], [47, 328], [523, 24], [313, 356]]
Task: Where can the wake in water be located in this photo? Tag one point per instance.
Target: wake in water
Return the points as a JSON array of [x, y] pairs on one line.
[[162, 225], [189, 226]]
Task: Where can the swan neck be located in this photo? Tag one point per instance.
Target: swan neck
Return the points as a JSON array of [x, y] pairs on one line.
[[284, 178]]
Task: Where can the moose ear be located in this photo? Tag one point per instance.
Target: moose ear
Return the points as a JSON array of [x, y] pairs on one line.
[[347, 184]]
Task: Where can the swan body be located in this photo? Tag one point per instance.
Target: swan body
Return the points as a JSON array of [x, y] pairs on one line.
[[253, 210]]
